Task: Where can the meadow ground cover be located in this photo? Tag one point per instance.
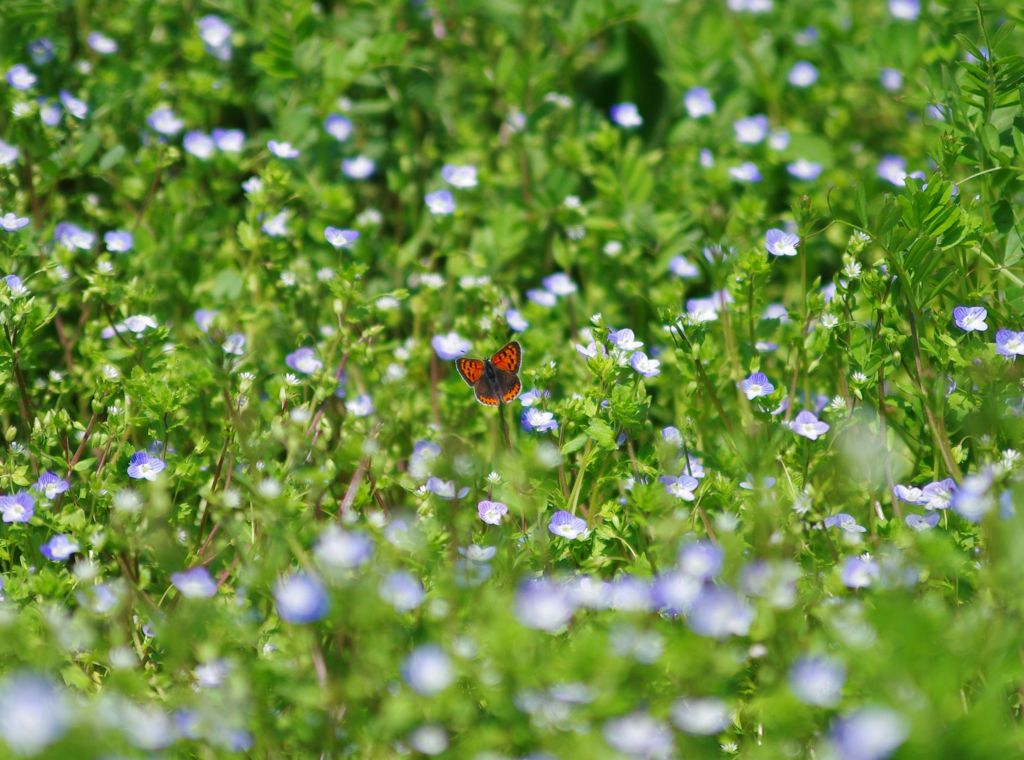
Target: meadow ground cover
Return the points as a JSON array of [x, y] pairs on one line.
[[756, 492]]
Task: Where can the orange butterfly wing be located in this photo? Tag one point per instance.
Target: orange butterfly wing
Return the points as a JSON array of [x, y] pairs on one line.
[[470, 369], [485, 397], [512, 391], [509, 357]]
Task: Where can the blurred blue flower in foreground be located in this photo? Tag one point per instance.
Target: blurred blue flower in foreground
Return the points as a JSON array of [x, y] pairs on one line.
[[719, 612], [817, 680], [76, 107], [626, 115], [33, 713], [194, 583], [143, 466], [445, 489], [803, 74], [543, 604], [300, 598], [752, 129], [859, 572], [59, 548], [20, 78], [922, 522], [228, 140], [198, 144], [905, 10], [338, 127], [10, 222], [8, 153], [893, 169], [440, 202], [164, 121], [970, 318], [71, 236], [15, 286], [282, 149], [304, 360], [804, 169], [428, 670], [702, 560], [462, 176], [868, 733], [216, 35], [340, 238], [338, 549], [402, 591], [359, 167], [639, 735], [698, 102], [567, 525], [101, 43], [119, 241], [1009, 343], [781, 243], [360, 405], [747, 172], [701, 716], [449, 346], [891, 79]]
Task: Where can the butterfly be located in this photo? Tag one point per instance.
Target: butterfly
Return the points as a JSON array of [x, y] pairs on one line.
[[494, 380]]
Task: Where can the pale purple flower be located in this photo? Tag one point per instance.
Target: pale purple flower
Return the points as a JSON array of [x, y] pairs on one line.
[[234, 344], [340, 238], [71, 236], [445, 489], [204, 318], [252, 185], [339, 549], [1009, 343], [543, 605], [15, 286], [11, 222], [640, 736], [908, 494], [276, 225], [40, 51], [701, 716], [119, 241], [681, 487], [359, 167], [402, 590], [101, 43], [20, 78], [974, 498], [893, 169], [846, 523], [50, 485], [718, 612], [533, 396], [590, 351], [756, 385], [538, 421], [440, 202], [59, 548], [859, 572], [706, 158], [300, 598], [781, 243], [76, 107], [891, 79], [515, 320], [817, 680], [164, 121], [746, 172], [559, 284], [228, 140], [970, 318], [644, 365], [698, 102], [17, 508], [216, 36], [194, 583], [199, 144], [144, 466], [33, 713], [624, 339], [428, 670], [136, 324], [701, 559], [567, 525], [938, 494], [702, 309], [338, 127], [752, 129], [462, 176], [905, 10], [922, 522], [8, 153], [868, 733], [804, 169], [542, 297], [283, 149], [803, 74], [778, 140], [449, 346], [809, 426], [626, 115], [491, 512], [681, 266], [360, 406]]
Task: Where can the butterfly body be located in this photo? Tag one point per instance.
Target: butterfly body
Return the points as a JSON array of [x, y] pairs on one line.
[[494, 381]]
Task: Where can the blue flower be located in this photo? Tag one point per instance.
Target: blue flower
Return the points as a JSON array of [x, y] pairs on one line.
[[893, 169], [340, 238], [751, 130], [970, 318], [282, 149], [304, 360], [77, 108], [698, 102], [905, 10], [747, 172], [216, 35], [445, 489], [50, 485], [567, 525], [542, 297], [204, 318], [10, 222], [164, 121], [276, 225], [59, 548], [756, 385], [71, 236], [33, 713], [20, 78], [859, 572], [338, 127], [8, 153], [339, 549], [803, 74], [300, 598], [808, 425], [701, 559], [559, 284], [491, 512], [538, 421], [974, 498], [891, 79], [360, 405], [778, 140], [229, 140], [101, 43], [701, 716], [868, 733], [718, 612], [639, 735], [681, 266], [462, 176], [40, 51], [781, 243], [194, 583], [402, 590], [440, 202], [199, 144], [18, 508], [543, 605], [359, 167], [1009, 343], [846, 523], [817, 680], [624, 339], [626, 115], [804, 169], [516, 322], [644, 365], [922, 522], [449, 346], [143, 466], [428, 670], [119, 241], [15, 286], [234, 344]]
